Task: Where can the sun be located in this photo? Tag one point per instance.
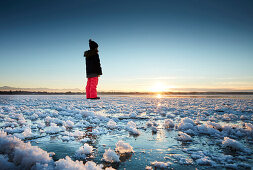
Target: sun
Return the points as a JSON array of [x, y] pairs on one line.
[[159, 96], [158, 87]]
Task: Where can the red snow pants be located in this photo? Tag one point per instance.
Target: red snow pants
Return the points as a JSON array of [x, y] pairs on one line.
[[91, 87]]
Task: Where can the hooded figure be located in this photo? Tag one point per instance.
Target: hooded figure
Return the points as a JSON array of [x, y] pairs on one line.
[[93, 70]]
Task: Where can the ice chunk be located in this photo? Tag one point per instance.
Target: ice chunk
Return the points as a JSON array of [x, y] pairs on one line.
[[99, 130], [132, 115], [187, 120], [170, 115], [161, 165], [87, 113], [131, 127], [149, 123], [5, 164], [78, 133], [93, 166], [122, 147], [24, 154], [243, 117], [26, 134], [154, 129], [168, 123], [84, 140], [206, 129], [233, 144], [111, 124], [184, 137], [214, 125], [69, 124], [249, 127], [13, 130], [65, 138], [68, 164], [185, 124], [34, 116], [205, 161], [54, 129], [229, 117], [110, 156], [84, 150]]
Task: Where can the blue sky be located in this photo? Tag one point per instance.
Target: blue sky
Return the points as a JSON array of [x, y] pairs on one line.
[[186, 45]]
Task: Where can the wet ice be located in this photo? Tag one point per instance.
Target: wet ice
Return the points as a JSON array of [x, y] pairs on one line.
[[126, 132]]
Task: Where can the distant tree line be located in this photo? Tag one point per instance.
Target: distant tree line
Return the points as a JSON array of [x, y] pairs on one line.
[[122, 93]]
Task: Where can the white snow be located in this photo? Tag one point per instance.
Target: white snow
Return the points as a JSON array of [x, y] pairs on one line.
[[69, 124], [65, 138], [214, 125], [154, 129], [54, 129], [69, 164], [168, 123], [5, 164], [78, 133], [110, 156], [186, 124], [184, 137], [112, 124], [83, 151], [205, 161], [122, 147], [84, 140], [24, 154], [131, 127], [233, 144], [162, 165]]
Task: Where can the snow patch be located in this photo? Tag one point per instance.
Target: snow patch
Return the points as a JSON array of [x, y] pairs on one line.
[[110, 156], [122, 147]]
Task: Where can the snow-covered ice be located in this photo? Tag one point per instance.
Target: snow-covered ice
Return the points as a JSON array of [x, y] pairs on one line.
[[71, 132], [83, 151], [184, 137], [123, 147], [110, 156]]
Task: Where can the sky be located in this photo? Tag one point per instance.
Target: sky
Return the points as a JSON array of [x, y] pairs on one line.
[[144, 45]]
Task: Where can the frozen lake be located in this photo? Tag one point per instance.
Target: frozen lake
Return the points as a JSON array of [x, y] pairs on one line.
[[141, 131]]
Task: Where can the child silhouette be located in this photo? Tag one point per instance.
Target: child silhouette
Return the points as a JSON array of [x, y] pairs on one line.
[[93, 70]]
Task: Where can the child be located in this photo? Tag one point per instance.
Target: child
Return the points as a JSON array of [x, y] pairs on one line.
[[93, 70]]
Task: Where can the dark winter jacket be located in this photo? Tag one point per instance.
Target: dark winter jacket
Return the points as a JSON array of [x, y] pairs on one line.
[[93, 68]]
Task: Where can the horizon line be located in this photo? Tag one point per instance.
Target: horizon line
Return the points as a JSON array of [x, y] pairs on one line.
[[130, 92], [77, 90]]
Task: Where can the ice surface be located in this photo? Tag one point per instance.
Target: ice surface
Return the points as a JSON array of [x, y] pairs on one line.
[[186, 131]]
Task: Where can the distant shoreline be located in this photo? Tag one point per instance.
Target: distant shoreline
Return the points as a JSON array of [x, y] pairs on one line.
[[123, 93]]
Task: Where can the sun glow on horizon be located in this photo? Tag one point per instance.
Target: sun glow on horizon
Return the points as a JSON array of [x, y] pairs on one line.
[[159, 96], [159, 87]]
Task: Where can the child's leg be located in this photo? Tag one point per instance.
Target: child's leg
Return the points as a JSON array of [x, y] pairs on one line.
[[88, 88], [93, 87]]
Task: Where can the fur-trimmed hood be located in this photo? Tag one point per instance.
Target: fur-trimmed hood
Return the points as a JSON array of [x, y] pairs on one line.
[[90, 53]]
